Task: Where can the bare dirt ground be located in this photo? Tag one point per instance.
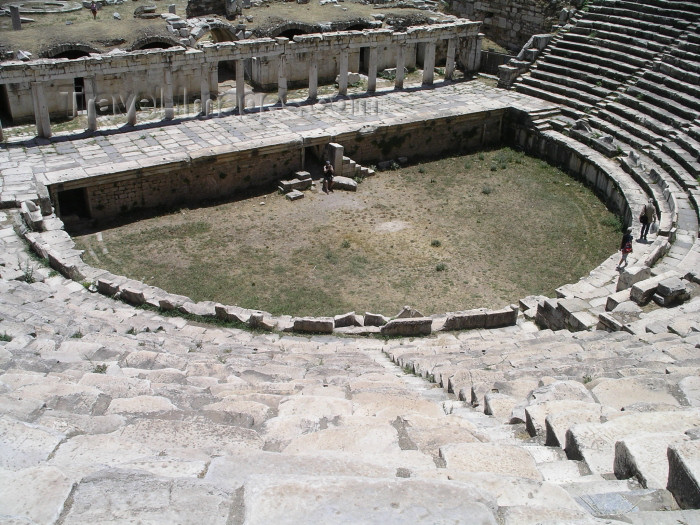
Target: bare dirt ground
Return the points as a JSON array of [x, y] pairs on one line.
[[481, 230]]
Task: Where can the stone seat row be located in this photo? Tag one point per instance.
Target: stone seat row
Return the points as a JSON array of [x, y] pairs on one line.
[[684, 10], [633, 14], [265, 394], [610, 30]]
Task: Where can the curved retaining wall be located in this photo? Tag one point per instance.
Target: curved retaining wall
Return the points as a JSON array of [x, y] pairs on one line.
[[514, 127]]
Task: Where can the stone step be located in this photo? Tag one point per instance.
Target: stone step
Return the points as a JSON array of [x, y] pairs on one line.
[[570, 82], [614, 32], [633, 46], [607, 57], [542, 90], [585, 67]]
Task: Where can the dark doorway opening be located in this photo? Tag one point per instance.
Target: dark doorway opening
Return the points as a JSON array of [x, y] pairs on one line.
[[291, 33], [79, 90], [73, 202], [5, 115]]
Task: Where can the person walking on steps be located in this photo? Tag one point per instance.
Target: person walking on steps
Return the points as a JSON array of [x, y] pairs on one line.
[[328, 173], [647, 218], [625, 248]]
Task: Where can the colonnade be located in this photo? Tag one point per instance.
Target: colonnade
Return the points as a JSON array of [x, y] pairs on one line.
[[204, 64]]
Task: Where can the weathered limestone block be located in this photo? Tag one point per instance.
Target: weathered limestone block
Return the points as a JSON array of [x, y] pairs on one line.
[[357, 435], [238, 412], [536, 415], [466, 320], [560, 390], [294, 195], [194, 438], [344, 183], [117, 386], [561, 419], [140, 405], [671, 291], [408, 312], [106, 496], [632, 275], [315, 408], [619, 393], [33, 495], [486, 457], [690, 389], [201, 308], [348, 319], [616, 299], [173, 302], [322, 325], [507, 316], [232, 314], [132, 294], [643, 290], [154, 360], [25, 445], [360, 500], [32, 215], [375, 319], [499, 406], [295, 184], [644, 457], [408, 327], [684, 473], [595, 442]]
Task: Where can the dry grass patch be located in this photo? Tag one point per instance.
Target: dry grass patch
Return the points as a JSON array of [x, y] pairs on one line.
[[457, 233]]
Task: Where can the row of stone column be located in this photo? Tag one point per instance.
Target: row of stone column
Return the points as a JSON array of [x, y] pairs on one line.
[[209, 83]]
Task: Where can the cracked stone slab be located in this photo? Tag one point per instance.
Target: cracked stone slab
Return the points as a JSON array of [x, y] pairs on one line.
[[349, 500], [112, 496]]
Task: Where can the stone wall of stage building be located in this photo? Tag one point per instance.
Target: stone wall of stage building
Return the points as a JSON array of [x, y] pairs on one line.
[[207, 178], [221, 172], [424, 139], [113, 90], [511, 23]]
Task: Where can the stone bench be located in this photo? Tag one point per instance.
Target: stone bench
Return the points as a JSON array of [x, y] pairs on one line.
[[586, 76], [584, 66], [603, 55], [633, 46], [626, 69], [587, 25], [622, 35], [576, 84]]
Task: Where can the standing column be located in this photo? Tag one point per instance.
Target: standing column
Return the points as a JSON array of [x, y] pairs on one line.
[[16, 20], [450, 61], [400, 66], [41, 110], [372, 70], [313, 79], [131, 104], [168, 93], [214, 80], [282, 80], [343, 72], [89, 83], [429, 63], [240, 86], [204, 93]]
